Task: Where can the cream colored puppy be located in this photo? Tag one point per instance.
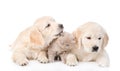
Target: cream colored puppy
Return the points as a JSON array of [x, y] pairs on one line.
[[61, 47], [32, 42], [91, 40]]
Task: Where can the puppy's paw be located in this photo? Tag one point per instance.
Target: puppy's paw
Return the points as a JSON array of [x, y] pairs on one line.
[[22, 62], [72, 63], [71, 60], [43, 59], [103, 64]]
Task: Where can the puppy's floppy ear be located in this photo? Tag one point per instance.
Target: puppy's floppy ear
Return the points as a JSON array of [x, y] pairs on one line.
[[77, 35], [105, 40], [36, 38]]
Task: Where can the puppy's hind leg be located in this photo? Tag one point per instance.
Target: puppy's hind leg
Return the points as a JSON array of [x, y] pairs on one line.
[[20, 58]]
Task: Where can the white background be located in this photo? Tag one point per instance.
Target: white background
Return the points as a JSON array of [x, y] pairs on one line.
[[16, 15]]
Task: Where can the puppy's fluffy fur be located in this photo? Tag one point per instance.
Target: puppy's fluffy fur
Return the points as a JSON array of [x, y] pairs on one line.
[[91, 40], [61, 47], [32, 42]]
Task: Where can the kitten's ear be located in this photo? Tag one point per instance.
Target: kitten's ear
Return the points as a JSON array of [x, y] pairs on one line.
[[77, 37], [36, 38]]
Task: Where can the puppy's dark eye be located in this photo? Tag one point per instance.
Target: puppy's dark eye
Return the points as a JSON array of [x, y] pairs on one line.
[[88, 38], [99, 38], [48, 25]]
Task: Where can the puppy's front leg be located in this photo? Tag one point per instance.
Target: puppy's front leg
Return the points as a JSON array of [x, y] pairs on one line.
[[51, 56], [103, 59], [71, 60], [42, 57]]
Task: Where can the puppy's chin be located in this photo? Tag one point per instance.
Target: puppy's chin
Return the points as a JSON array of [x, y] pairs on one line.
[[59, 34]]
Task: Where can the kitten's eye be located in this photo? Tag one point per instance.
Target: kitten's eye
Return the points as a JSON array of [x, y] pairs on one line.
[[88, 38], [99, 38], [48, 26], [73, 39], [67, 44]]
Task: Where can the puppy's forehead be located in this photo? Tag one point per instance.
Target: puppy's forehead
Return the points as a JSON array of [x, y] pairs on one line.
[[93, 34], [92, 29], [95, 28], [92, 26], [44, 19], [47, 18]]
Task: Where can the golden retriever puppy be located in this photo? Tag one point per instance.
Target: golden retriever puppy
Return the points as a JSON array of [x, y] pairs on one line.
[[91, 40], [61, 47], [32, 43]]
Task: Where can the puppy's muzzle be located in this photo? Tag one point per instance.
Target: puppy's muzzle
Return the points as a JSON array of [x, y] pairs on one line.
[[61, 26], [95, 48]]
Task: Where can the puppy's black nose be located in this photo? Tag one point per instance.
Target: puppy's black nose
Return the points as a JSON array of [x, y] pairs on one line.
[[95, 48], [61, 26]]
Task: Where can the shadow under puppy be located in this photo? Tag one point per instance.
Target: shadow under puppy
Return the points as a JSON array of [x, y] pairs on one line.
[[61, 47]]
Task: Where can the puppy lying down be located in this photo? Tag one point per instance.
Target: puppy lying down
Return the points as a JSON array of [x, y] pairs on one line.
[[91, 40], [31, 43], [61, 47]]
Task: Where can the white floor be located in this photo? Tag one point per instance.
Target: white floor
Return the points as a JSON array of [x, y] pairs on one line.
[[16, 15]]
